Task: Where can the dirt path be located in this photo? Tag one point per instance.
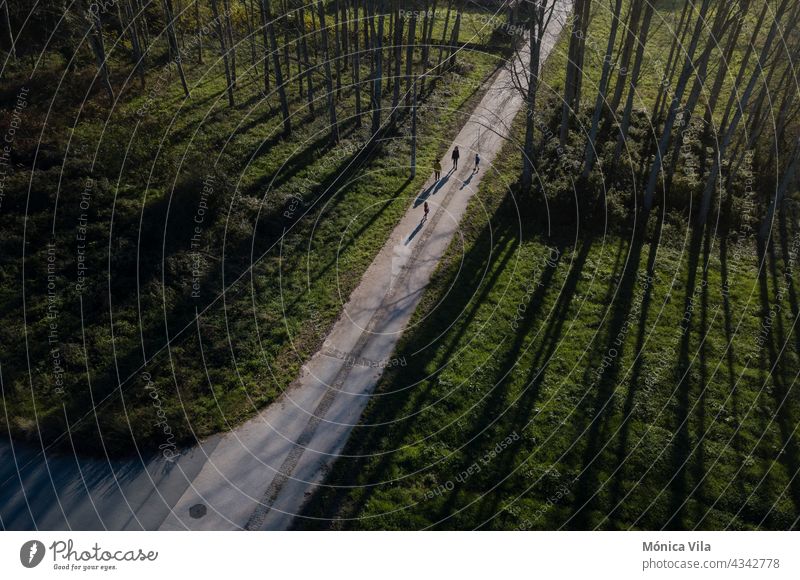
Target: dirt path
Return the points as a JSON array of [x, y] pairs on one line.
[[260, 475]]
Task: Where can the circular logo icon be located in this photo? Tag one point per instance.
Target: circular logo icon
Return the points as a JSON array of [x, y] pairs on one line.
[[31, 553]]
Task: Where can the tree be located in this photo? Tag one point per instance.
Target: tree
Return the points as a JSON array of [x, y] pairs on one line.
[[356, 64], [579, 25], [601, 90], [221, 38], [328, 74], [276, 65], [377, 75], [98, 47], [666, 135], [538, 19], [173, 43], [729, 129]]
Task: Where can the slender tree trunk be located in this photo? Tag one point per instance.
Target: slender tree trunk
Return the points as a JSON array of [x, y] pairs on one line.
[[377, 80], [328, 75], [299, 56], [173, 43], [668, 73], [221, 36], [337, 47], [248, 8], [601, 91], [356, 64], [198, 31], [536, 29], [688, 68], [637, 67], [98, 47], [427, 32], [306, 61], [444, 34], [398, 51], [730, 129], [454, 37], [136, 47], [412, 37], [345, 34], [231, 41], [627, 50], [276, 65], [573, 69]]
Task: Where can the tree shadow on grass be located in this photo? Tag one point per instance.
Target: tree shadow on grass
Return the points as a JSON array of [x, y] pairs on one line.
[[682, 439], [595, 424], [352, 481]]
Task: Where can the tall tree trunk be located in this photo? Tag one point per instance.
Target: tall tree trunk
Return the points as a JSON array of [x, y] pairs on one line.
[[444, 35], [337, 47], [344, 34], [306, 60], [377, 77], [627, 50], [276, 65], [427, 32], [574, 70], [328, 75], [265, 39], [198, 31], [601, 91], [173, 43], [398, 51], [412, 37], [414, 132], [231, 41], [666, 135], [634, 77], [678, 37], [221, 36], [98, 47], [730, 129], [454, 36], [356, 63], [136, 47], [536, 27]]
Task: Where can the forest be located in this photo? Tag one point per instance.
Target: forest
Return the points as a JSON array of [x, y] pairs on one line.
[[191, 189]]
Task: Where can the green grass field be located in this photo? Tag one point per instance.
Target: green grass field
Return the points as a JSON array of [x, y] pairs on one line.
[[578, 379]]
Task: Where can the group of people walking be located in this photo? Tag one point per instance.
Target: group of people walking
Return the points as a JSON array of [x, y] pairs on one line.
[[437, 172]]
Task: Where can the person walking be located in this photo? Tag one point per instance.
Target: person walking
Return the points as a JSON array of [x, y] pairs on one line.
[[455, 157], [425, 209], [437, 170], [477, 162]]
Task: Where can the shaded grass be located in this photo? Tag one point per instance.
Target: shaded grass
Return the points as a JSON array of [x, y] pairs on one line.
[[585, 380]]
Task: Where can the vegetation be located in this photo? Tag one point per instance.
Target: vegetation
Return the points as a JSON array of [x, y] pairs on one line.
[[608, 362], [585, 379], [612, 342], [171, 259]]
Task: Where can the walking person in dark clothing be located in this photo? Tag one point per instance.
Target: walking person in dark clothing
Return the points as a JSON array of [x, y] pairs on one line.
[[425, 209], [437, 170], [455, 157], [477, 162]]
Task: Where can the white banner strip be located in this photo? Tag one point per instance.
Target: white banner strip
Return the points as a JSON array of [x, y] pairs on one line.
[[407, 555]]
